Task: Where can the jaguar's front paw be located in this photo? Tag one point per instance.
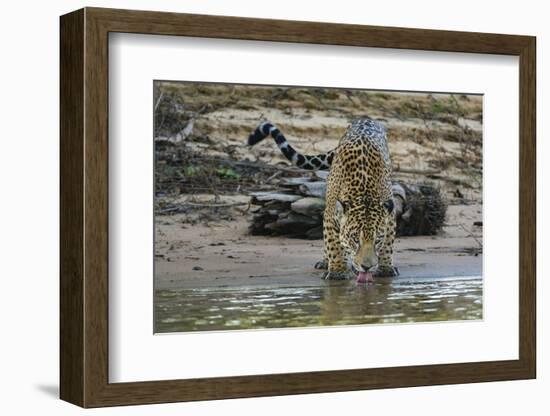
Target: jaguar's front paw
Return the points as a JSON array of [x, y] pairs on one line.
[[321, 265], [336, 275], [391, 271]]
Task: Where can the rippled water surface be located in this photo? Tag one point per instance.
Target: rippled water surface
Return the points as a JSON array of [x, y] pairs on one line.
[[338, 303]]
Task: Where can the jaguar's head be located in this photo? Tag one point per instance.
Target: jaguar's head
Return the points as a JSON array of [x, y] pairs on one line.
[[360, 220]]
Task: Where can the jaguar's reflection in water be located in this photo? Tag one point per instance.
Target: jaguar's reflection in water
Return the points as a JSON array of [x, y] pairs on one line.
[[334, 303]]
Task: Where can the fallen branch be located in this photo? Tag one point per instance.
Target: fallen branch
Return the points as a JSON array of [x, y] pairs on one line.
[[416, 171], [181, 207], [161, 95], [298, 210], [471, 235]]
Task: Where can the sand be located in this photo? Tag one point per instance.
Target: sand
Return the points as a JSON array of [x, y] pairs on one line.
[[222, 254]]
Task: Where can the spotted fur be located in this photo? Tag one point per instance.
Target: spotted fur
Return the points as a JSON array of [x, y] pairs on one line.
[[359, 217]]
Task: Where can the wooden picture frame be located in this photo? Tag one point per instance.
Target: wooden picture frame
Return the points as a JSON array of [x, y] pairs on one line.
[[84, 207]]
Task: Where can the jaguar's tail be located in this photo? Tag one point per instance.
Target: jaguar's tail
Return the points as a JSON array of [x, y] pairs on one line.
[[310, 162]]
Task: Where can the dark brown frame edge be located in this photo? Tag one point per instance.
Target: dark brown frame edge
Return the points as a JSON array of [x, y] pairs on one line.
[[84, 207]]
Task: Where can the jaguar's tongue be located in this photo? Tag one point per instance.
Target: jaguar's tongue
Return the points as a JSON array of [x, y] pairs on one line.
[[365, 277]]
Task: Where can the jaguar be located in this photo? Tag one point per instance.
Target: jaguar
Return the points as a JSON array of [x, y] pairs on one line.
[[359, 216]]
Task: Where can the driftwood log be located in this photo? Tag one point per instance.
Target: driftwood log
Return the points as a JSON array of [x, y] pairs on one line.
[[296, 210]]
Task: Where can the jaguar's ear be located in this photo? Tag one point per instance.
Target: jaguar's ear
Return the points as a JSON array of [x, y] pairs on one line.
[[389, 205], [340, 207]]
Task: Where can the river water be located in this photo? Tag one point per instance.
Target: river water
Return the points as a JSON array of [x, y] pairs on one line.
[[331, 303]]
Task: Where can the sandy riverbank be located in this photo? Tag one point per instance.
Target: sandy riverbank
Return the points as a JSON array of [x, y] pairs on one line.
[[222, 254]]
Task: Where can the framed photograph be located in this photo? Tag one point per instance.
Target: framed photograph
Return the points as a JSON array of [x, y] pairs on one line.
[[254, 207]]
